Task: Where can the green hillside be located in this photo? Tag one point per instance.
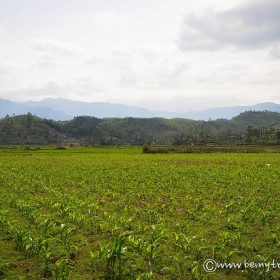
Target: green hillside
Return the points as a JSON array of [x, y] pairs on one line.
[[29, 129], [255, 119], [247, 128]]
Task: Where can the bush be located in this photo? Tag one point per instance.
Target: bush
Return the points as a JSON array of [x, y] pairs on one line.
[[146, 148]]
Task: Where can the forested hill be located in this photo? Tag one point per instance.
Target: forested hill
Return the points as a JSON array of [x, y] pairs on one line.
[[250, 127]]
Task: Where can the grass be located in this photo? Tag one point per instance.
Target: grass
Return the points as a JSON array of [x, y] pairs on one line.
[[115, 213]]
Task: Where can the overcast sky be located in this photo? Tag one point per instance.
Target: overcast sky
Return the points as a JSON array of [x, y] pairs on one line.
[[172, 55]]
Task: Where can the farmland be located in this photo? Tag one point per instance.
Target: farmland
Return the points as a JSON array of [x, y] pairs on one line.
[[115, 213]]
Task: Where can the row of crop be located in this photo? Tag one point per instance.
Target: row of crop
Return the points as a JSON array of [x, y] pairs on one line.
[[132, 256], [201, 212], [56, 260]]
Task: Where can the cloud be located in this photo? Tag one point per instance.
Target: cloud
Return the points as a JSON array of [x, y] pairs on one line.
[[28, 92], [138, 66], [275, 53], [108, 19], [56, 47], [250, 26], [5, 70], [57, 53], [2, 29]]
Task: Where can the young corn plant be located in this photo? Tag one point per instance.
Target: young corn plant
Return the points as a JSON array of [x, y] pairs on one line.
[[183, 242], [23, 207], [227, 257], [229, 207], [215, 249], [95, 259], [10, 227], [137, 243], [199, 252], [62, 269], [3, 220], [46, 225], [62, 208], [93, 212], [239, 240], [34, 217], [152, 216], [231, 223], [31, 246], [44, 246], [64, 234], [21, 240], [114, 252], [181, 263], [275, 239], [196, 271], [248, 213], [266, 217], [151, 248], [77, 218]]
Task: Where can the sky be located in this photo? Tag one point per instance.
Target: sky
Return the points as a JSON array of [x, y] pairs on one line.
[[164, 55]]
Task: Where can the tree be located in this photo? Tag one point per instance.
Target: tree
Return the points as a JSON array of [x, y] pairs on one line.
[[29, 120], [278, 135]]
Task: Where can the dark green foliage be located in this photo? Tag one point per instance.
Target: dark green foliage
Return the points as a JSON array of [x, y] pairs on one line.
[[146, 148], [210, 149], [250, 128], [29, 130]]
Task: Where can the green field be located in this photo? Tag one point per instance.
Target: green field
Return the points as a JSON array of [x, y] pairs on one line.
[[115, 213]]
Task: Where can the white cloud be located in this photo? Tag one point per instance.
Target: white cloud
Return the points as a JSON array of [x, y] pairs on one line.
[[136, 65], [56, 47], [251, 26], [126, 51], [107, 19], [2, 29], [56, 59], [192, 39], [275, 53]]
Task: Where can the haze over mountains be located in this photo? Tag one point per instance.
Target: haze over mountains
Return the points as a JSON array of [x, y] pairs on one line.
[[64, 109]]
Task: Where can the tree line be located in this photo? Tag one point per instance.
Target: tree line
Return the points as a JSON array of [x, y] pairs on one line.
[[248, 128]]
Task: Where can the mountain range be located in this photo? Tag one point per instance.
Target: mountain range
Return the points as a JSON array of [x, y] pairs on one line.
[[64, 109]]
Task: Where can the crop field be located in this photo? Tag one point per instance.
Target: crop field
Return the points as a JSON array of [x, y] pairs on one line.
[[115, 213]]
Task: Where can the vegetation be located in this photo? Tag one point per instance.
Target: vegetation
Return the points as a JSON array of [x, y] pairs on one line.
[[209, 149], [29, 129], [116, 213], [249, 128]]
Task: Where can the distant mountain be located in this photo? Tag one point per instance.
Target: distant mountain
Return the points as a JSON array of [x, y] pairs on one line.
[[8, 107], [96, 109], [64, 109], [230, 112]]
